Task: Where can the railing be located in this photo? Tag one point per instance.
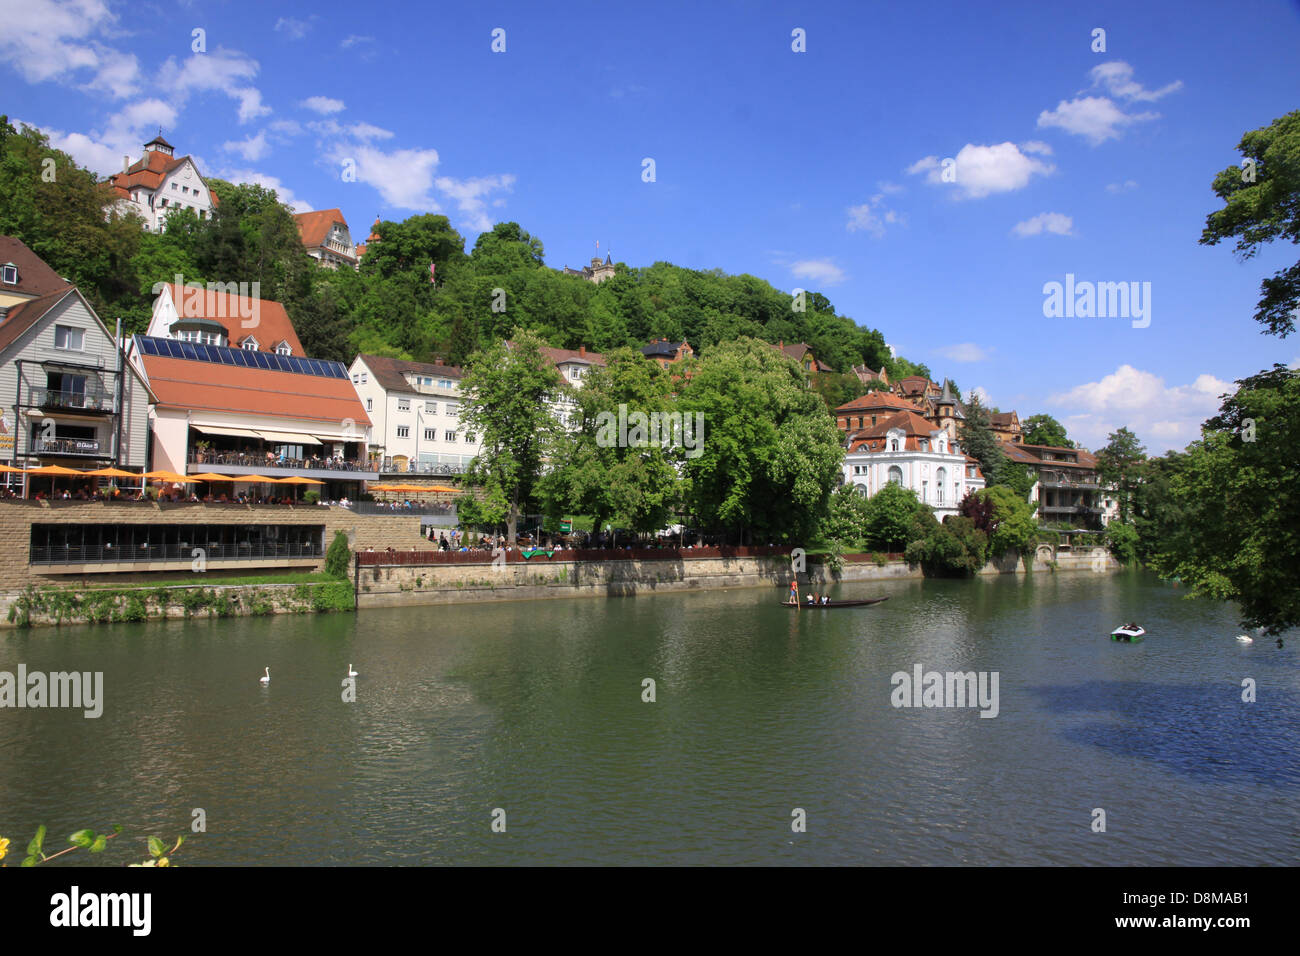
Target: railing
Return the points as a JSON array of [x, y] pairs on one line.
[[388, 466], [154, 553], [65, 446], [485, 556], [86, 400], [262, 461], [400, 508]]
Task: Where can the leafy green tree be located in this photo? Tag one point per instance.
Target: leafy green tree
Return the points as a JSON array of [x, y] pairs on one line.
[[634, 485], [1120, 467], [891, 512], [1238, 489], [1158, 517], [978, 440], [1043, 429], [1013, 527], [846, 516], [1122, 539], [955, 548], [509, 392], [770, 455], [1261, 204]]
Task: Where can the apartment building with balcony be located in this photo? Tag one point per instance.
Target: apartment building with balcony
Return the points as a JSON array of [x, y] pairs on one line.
[[415, 408], [68, 396], [1068, 487]]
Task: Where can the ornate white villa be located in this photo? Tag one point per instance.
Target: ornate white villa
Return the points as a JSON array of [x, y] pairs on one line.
[[159, 182]]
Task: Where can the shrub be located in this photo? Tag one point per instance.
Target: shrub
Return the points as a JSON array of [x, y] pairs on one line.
[[1122, 539], [311, 497], [338, 559], [955, 548]]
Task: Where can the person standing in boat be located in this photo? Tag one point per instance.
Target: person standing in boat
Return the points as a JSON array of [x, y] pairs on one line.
[[794, 592]]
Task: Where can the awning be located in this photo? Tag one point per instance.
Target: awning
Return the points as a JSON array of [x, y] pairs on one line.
[[235, 432], [288, 438]]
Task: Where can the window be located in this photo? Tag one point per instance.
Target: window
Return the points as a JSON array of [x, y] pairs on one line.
[[403, 431], [250, 343], [896, 474], [431, 434], [283, 349], [403, 404], [370, 404], [469, 439], [452, 410], [356, 377], [363, 378], [940, 479], [175, 186], [449, 436], [66, 337], [444, 383], [431, 408], [10, 274]]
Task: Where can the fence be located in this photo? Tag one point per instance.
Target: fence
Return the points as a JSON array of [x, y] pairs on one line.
[[431, 556]]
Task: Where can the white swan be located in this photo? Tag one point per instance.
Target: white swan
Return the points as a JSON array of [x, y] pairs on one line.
[[266, 679], [1242, 638], [351, 672]]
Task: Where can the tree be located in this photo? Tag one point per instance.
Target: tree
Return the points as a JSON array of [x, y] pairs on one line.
[[1120, 466], [770, 456], [1045, 430], [890, 515], [509, 390], [1012, 527], [1238, 489], [1159, 518], [846, 516], [1262, 203], [338, 557], [955, 548], [978, 440]]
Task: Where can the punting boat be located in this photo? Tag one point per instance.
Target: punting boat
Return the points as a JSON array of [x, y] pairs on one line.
[[1128, 633], [813, 607]]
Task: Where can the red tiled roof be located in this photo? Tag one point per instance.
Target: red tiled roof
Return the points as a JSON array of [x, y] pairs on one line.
[[314, 227], [266, 393], [149, 171], [877, 399], [389, 372], [1033, 455], [913, 425], [1006, 419], [273, 324], [560, 356]]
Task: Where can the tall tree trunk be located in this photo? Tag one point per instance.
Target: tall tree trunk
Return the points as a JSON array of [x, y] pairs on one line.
[[512, 525]]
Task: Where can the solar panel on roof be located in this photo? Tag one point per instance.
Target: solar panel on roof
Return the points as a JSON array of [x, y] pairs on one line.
[[227, 355]]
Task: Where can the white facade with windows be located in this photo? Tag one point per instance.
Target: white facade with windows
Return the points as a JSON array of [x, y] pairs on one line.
[[907, 450]]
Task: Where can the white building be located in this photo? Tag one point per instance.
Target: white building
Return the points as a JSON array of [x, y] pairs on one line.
[[906, 449], [159, 182], [415, 408], [327, 239], [573, 367]]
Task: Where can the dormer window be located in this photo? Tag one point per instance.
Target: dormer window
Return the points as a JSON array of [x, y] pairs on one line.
[[250, 343], [9, 273], [283, 349]]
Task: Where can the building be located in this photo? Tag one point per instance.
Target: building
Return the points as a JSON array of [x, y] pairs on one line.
[[235, 394], [1006, 426], [223, 313], [373, 238], [867, 377], [802, 355], [903, 448], [326, 238], [597, 272], [945, 411], [74, 401], [414, 408], [1067, 487], [666, 353], [159, 182], [870, 409], [918, 389]]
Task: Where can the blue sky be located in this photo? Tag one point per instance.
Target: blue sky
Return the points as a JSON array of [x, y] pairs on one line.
[[819, 169]]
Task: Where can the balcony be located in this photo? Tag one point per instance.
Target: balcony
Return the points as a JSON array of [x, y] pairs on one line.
[[1075, 483], [89, 400], [389, 467], [323, 469], [79, 447]]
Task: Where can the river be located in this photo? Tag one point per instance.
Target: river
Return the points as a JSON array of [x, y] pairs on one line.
[[536, 710]]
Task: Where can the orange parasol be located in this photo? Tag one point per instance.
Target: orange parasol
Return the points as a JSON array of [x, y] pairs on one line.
[[54, 470]]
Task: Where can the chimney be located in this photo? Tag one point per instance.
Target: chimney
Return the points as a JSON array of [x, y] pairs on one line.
[[582, 351]]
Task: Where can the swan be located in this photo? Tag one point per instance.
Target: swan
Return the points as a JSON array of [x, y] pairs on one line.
[[1242, 638], [267, 678], [351, 672]]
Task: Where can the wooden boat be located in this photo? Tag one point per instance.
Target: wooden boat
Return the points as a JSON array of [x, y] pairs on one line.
[[813, 607]]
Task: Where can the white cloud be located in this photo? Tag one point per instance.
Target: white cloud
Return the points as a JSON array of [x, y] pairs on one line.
[[402, 177], [323, 105], [361, 131], [253, 177], [128, 128], [1123, 187], [294, 29], [352, 39], [1053, 222], [1036, 146], [980, 392], [818, 270], [862, 219], [1096, 118], [470, 196], [45, 40], [982, 170], [223, 71], [1161, 415], [1116, 78], [872, 216], [285, 127], [964, 352], [252, 149]]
